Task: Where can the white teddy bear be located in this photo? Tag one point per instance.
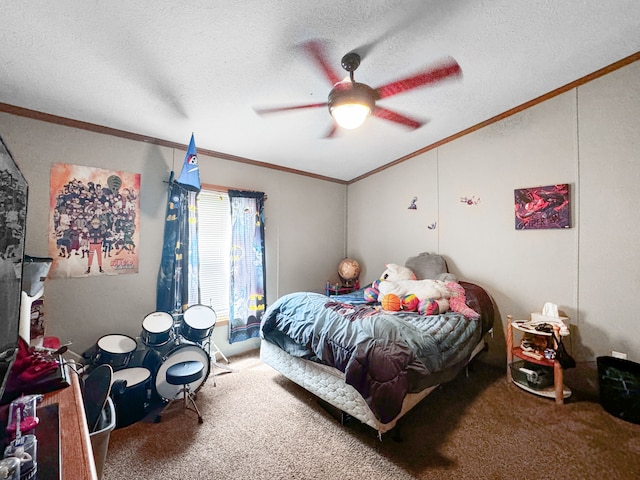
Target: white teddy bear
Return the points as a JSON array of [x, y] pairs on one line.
[[401, 281]]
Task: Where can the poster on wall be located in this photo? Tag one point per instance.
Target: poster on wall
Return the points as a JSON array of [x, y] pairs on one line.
[[94, 221], [542, 207]]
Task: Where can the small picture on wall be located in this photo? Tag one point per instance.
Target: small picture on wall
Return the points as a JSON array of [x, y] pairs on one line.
[[542, 207]]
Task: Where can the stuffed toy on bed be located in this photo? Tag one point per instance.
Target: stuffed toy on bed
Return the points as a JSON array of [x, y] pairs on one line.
[[434, 296], [458, 301], [401, 281]]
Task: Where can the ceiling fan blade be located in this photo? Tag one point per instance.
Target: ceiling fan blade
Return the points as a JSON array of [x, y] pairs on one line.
[[332, 131], [402, 20], [364, 49], [264, 111], [316, 50], [397, 117], [434, 74]]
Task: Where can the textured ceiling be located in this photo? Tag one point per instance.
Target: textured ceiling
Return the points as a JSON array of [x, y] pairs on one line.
[[166, 69]]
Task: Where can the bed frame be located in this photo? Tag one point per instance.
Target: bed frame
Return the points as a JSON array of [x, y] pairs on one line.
[[329, 384]]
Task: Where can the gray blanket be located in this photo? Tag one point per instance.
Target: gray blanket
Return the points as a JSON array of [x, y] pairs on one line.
[[383, 355]]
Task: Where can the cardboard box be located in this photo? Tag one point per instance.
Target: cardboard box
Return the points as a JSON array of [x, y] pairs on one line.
[[538, 317]]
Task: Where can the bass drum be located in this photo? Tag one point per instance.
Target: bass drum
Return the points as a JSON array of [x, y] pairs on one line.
[[181, 353]]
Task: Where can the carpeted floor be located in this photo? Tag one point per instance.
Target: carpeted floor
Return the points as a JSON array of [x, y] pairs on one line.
[[259, 425]]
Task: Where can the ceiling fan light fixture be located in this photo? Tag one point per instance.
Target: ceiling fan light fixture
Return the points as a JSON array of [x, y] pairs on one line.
[[350, 104], [350, 115]]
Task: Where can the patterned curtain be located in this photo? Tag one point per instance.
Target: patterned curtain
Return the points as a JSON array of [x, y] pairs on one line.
[[178, 285], [178, 279], [247, 265]]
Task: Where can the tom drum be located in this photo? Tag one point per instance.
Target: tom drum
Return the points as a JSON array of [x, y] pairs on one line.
[[115, 350], [134, 402], [157, 329], [180, 353], [197, 323]]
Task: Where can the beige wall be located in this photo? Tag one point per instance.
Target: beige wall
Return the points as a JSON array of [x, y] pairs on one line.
[[305, 227], [381, 228], [608, 253], [588, 137]]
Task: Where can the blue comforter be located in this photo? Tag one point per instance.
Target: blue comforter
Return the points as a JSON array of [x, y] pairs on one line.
[[383, 355]]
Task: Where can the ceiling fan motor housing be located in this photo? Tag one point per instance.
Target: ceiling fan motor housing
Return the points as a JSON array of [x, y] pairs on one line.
[[350, 62], [351, 92]]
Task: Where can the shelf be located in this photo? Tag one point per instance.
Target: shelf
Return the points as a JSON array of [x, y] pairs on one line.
[[549, 392], [338, 291], [518, 325], [518, 352]]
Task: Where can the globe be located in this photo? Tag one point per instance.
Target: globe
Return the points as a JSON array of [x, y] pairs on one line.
[[348, 270]]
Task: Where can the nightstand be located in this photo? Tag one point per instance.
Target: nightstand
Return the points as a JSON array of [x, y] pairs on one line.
[[338, 289], [523, 373]]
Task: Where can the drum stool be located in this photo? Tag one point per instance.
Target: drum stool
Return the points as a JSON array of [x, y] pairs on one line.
[[183, 374]]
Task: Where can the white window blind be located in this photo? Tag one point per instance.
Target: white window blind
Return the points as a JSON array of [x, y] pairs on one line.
[[214, 246]]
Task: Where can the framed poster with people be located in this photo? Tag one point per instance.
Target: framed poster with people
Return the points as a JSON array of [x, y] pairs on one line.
[[94, 222]]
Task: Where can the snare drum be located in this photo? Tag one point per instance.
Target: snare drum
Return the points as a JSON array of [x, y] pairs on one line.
[[157, 328], [180, 353], [134, 403], [115, 350], [197, 323]]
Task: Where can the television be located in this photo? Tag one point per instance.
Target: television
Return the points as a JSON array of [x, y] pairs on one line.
[[13, 222]]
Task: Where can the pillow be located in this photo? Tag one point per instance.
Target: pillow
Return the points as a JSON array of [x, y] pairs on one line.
[[446, 277], [428, 265]]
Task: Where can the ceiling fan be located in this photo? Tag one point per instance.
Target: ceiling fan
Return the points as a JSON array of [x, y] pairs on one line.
[[351, 102]]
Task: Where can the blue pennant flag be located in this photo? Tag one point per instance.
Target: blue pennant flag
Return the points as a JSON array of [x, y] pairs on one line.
[[190, 175]]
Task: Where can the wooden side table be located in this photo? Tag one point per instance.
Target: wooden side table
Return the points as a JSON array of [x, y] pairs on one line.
[[337, 289], [558, 391]]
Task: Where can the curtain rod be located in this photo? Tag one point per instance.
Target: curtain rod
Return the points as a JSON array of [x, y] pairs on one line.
[[220, 188]]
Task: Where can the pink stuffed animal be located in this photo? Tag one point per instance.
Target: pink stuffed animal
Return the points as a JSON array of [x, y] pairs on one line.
[[458, 300]]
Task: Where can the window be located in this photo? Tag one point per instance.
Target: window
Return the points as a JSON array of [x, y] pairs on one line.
[[214, 245]]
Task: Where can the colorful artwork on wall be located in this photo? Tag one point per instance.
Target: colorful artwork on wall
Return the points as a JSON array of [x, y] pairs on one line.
[[94, 221], [473, 200], [542, 207]]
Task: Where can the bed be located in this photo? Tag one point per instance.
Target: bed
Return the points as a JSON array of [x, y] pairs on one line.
[[370, 364]]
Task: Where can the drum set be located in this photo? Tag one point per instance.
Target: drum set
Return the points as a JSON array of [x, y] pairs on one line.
[[140, 366]]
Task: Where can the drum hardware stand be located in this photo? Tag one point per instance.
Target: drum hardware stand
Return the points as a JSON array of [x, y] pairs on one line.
[[212, 355], [183, 374], [223, 367], [217, 351], [188, 403]]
